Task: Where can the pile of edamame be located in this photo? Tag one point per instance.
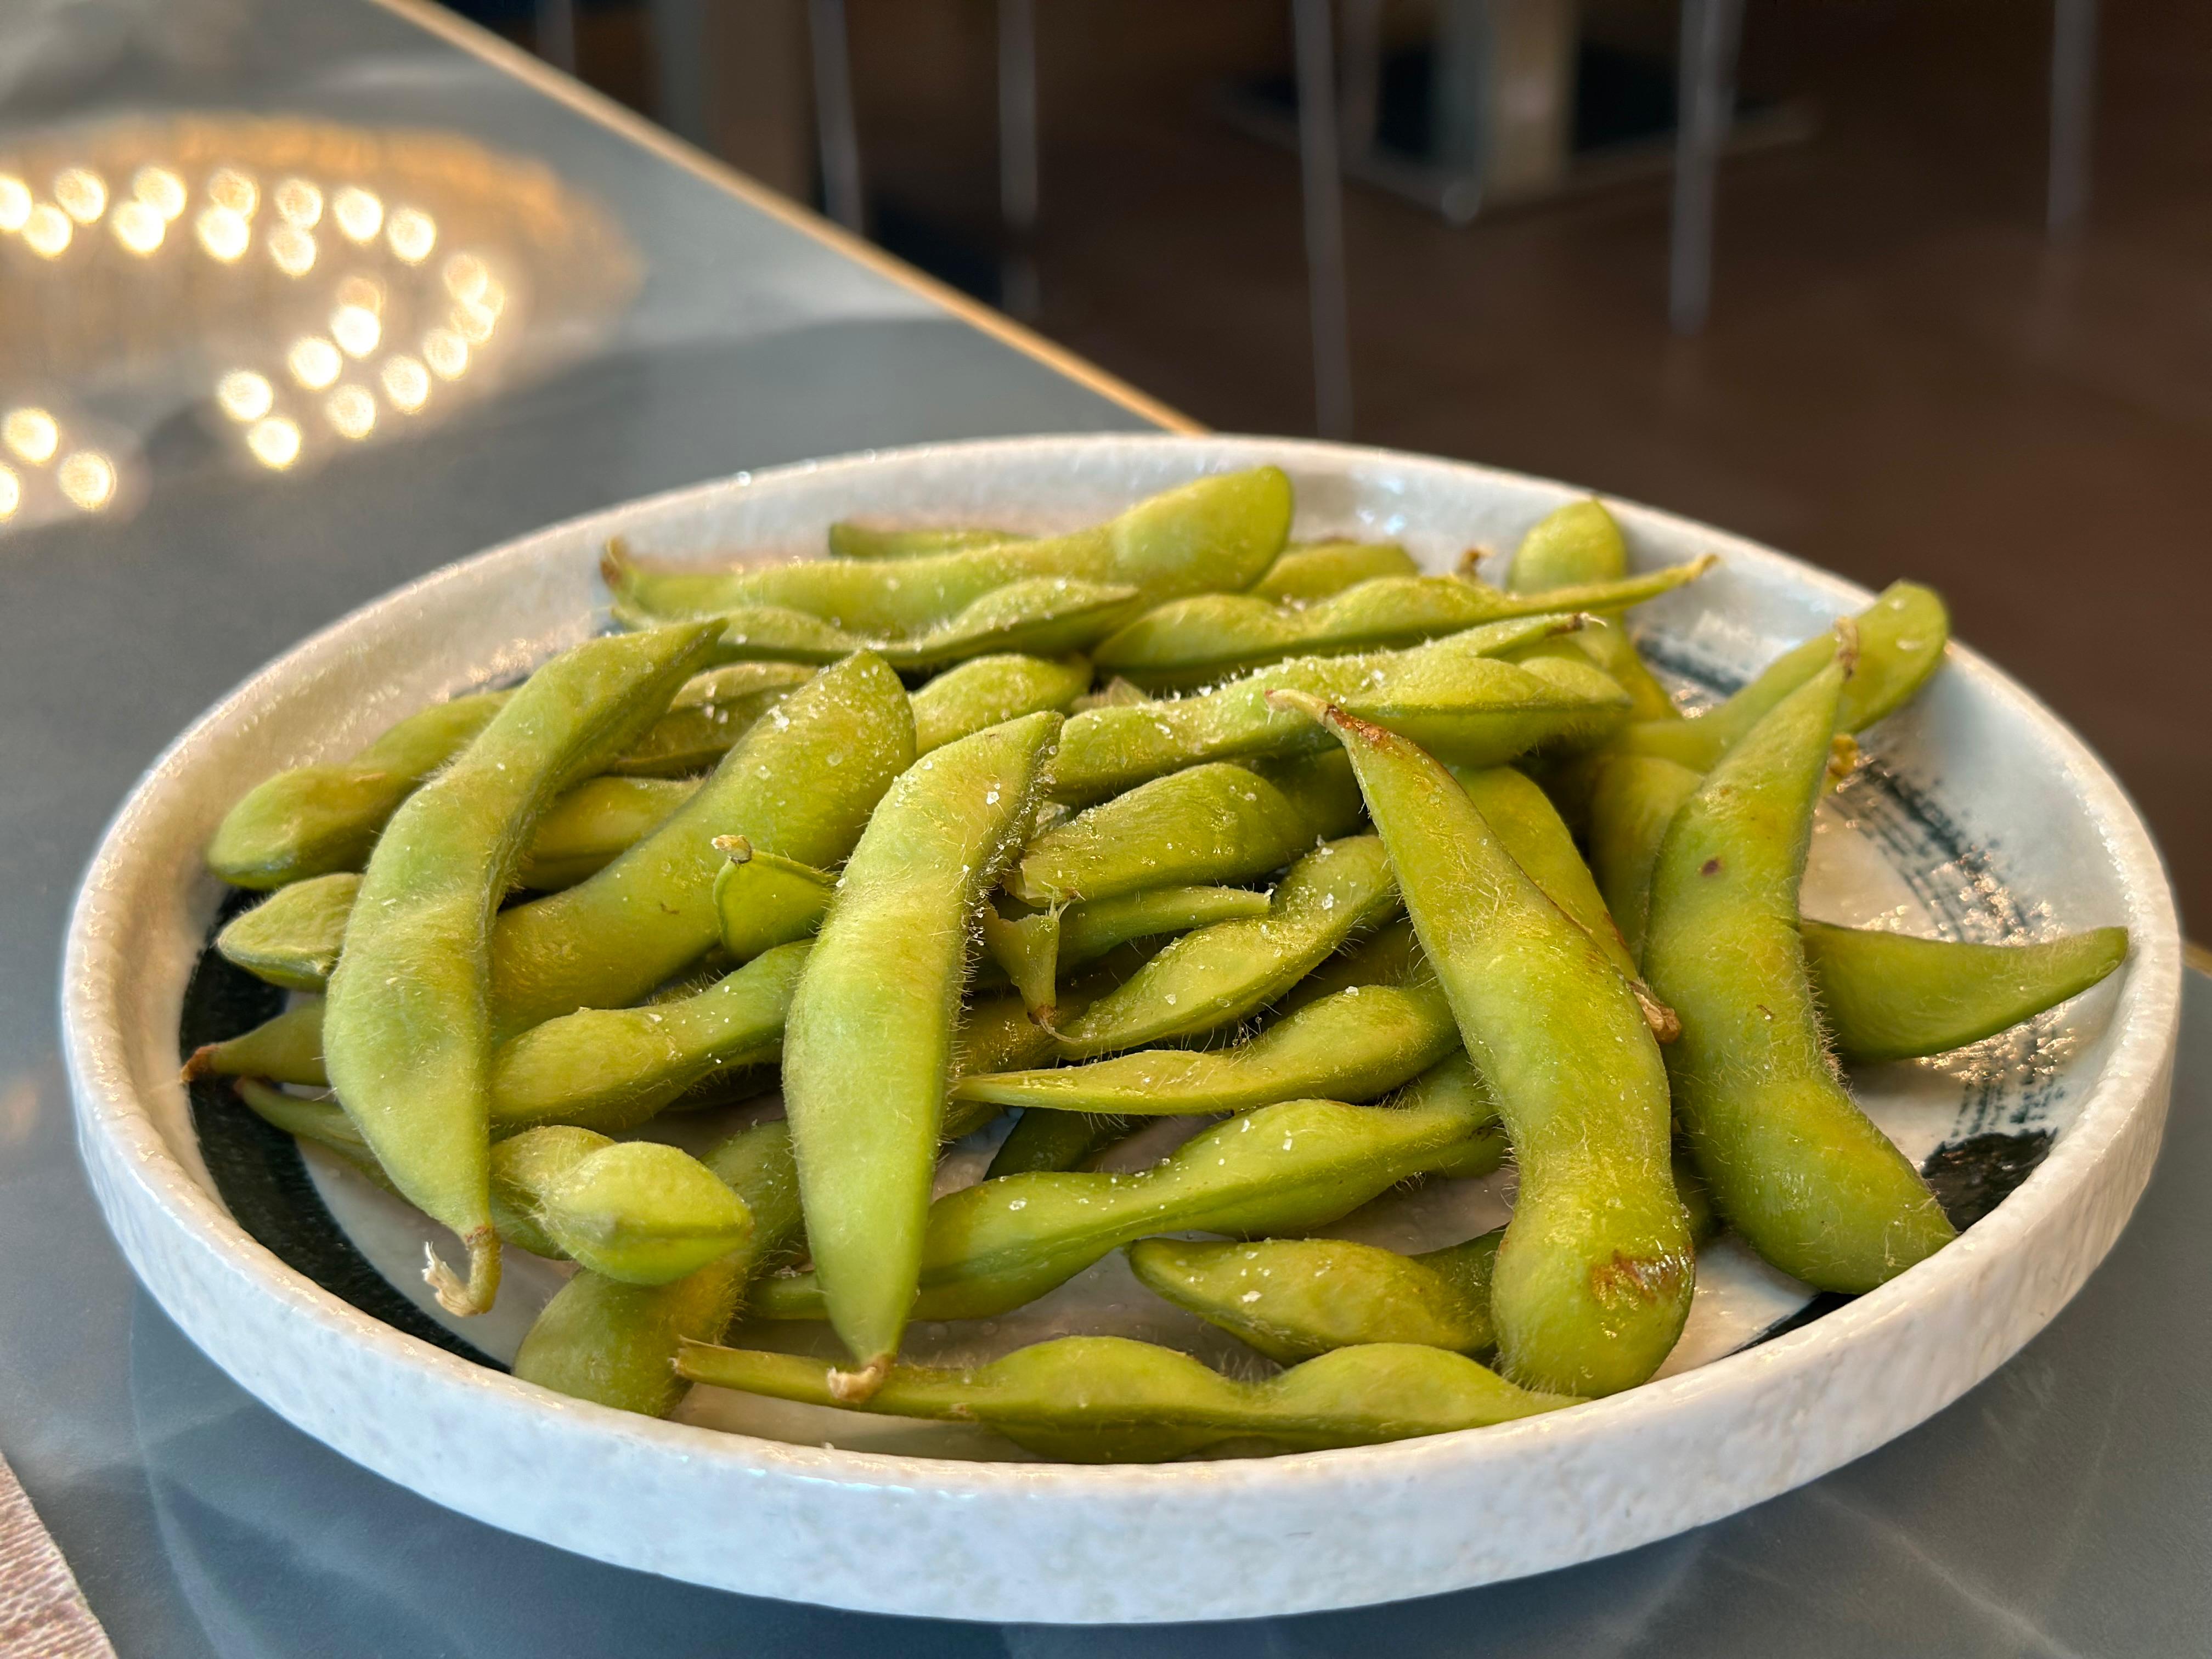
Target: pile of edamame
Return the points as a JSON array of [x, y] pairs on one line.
[[1396, 877]]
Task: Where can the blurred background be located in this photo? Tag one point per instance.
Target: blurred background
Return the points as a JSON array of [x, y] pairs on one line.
[[1919, 287], [1960, 313]]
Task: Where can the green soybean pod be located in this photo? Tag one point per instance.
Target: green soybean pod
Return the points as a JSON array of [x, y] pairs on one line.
[[1051, 1141], [1887, 996], [985, 691], [1305, 571], [851, 538], [1578, 543], [1794, 1165], [1357, 1044], [407, 1036], [1109, 1400], [287, 1049], [1901, 638], [1041, 616], [311, 820], [592, 824], [1595, 1278], [1216, 823], [801, 784], [1635, 799], [321, 1121], [762, 901], [634, 1211], [293, 937], [1298, 1165], [1202, 637], [867, 1051], [1222, 530], [1088, 931], [1294, 1298], [708, 716], [1521, 816], [615, 1344], [612, 1069], [1219, 974], [1450, 695]]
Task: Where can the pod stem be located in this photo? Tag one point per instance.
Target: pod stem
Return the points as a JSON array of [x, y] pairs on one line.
[[1666, 1025], [464, 1300], [199, 1063], [738, 849], [858, 1387]]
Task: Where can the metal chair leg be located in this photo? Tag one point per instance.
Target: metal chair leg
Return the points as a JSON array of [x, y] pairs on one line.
[[837, 129], [1019, 189], [1320, 170], [555, 31], [1705, 105], [2073, 112], [678, 34]]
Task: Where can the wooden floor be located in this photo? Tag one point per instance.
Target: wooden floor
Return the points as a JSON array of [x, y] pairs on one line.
[[1902, 375]]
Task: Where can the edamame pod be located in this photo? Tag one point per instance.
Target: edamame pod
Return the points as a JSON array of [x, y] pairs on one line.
[[601, 1068], [1222, 973], [1580, 543], [868, 1049], [801, 784], [707, 717], [1570, 545], [1635, 799], [1292, 1298], [1794, 1165], [1218, 822], [1217, 532], [603, 1340], [1196, 641], [849, 538], [288, 1048], [610, 1069], [634, 1210], [1044, 616], [315, 819], [1314, 570], [1450, 695], [1357, 1044], [407, 1035], [1595, 1277], [762, 901], [1885, 996], [986, 691], [1521, 816], [1285, 1168], [293, 937], [595, 822], [1901, 639], [1109, 1400], [1089, 931], [1050, 1142]]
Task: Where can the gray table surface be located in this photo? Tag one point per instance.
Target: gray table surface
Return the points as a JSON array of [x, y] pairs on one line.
[[2063, 1507]]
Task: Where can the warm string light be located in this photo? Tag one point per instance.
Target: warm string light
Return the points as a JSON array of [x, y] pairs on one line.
[[138, 227], [413, 234], [351, 411], [406, 383], [244, 395], [16, 201], [232, 189], [48, 231], [87, 479], [359, 214], [159, 190], [222, 232], [299, 202], [11, 493], [32, 432], [315, 361], [275, 442], [356, 329], [82, 192], [447, 352]]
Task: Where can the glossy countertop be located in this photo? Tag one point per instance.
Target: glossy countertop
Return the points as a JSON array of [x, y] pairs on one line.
[[640, 321]]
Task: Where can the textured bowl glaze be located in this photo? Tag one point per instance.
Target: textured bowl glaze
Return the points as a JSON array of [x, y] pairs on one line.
[[1003, 1541]]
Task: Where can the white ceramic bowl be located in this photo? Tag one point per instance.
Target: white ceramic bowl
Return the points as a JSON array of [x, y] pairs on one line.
[[2040, 836]]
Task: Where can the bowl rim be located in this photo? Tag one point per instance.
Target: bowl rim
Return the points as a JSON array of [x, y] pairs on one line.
[[2145, 1020]]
